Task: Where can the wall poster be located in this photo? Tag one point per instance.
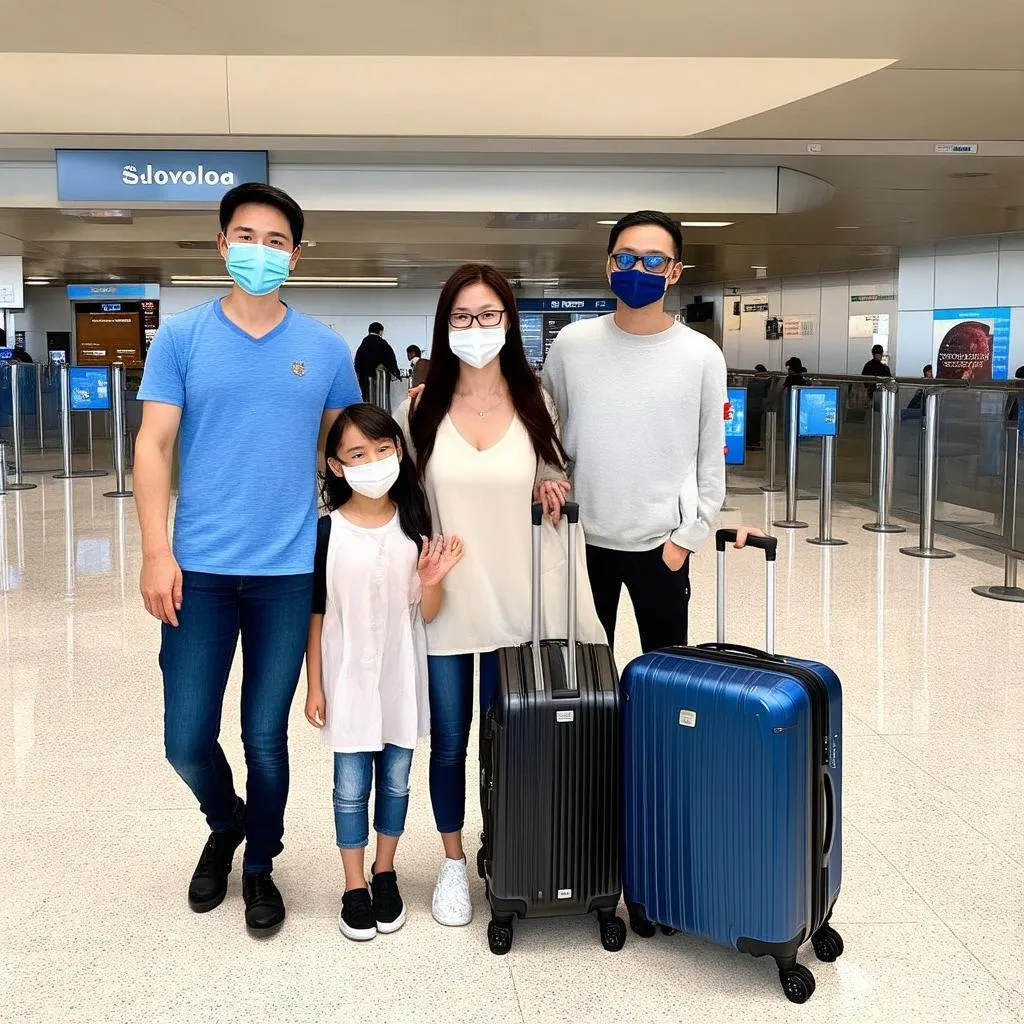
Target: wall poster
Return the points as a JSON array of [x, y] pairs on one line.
[[972, 344]]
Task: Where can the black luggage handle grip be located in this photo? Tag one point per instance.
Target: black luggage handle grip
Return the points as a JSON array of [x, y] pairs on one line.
[[570, 509], [831, 818], [769, 545], [745, 652]]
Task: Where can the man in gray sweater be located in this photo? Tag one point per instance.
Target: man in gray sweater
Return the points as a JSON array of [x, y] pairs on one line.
[[642, 402]]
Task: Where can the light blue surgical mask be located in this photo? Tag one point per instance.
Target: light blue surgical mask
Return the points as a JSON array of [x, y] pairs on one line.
[[258, 269]]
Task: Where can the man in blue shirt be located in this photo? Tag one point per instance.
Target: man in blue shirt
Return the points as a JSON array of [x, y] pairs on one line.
[[247, 385]]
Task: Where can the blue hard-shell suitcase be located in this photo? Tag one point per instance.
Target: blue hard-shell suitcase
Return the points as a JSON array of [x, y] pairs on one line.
[[733, 794]]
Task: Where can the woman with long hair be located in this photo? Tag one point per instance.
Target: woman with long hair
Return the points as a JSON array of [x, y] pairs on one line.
[[486, 444]]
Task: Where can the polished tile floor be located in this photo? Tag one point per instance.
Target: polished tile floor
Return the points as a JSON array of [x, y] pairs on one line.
[[98, 837]]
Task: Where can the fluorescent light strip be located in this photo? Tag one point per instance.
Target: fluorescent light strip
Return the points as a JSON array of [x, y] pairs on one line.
[[706, 223]]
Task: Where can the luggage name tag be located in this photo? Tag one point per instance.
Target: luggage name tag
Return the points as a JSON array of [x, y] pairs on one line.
[[688, 718]]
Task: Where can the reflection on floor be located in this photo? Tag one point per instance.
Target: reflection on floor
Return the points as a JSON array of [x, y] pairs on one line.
[[98, 837]]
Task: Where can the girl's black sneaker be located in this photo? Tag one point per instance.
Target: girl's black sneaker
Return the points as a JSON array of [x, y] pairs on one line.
[[356, 919], [388, 908]]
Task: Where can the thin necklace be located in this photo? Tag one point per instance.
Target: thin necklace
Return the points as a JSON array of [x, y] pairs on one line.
[[482, 413]]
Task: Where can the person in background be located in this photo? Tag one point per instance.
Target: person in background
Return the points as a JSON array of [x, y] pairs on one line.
[[916, 402], [373, 352], [378, 579], [649, 475], [875, 366], [1014, 405], [242, 561], [757, 401], [797, 374], [420, 366]]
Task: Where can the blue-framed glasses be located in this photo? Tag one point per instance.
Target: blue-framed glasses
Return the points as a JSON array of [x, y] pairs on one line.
[[652, 263]]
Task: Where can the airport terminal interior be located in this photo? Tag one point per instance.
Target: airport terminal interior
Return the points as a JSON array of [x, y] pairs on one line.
[[845, 179]]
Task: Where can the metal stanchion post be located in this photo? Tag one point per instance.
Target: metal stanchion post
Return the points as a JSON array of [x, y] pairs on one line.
[[117, 410], [67, 473], [40, 422], [792, 430], [1009, 591], [828, 472], [771, 437], [17, 484], [886, 462], [3, 467], [929, 465]]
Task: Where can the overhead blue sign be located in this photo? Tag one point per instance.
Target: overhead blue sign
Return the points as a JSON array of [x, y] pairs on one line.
[[736, 428], [819, 412], [566, 305], [90, 388], [154, 176], [104, 292]]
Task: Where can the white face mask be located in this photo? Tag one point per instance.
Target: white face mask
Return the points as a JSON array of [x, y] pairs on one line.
[[477, 346], [373, 479]]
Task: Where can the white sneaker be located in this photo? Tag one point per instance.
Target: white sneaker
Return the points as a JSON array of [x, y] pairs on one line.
[[452, 905]]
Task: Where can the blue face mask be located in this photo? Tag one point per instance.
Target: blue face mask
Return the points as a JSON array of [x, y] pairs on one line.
[[636, 288], [258, 269]]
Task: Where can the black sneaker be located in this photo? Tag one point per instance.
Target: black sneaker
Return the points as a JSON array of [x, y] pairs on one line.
[[356, 917], [209, 883], [388, 908], [264, 905]]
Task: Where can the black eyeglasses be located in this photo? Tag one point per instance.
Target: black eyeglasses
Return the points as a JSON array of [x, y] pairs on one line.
[[652, 263], [488, 318]]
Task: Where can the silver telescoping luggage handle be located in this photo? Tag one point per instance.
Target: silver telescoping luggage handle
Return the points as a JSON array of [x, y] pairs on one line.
[[571, 511], [769, 545]]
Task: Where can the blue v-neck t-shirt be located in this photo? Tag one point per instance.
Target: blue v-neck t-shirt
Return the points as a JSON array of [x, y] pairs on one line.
[[251, 410]]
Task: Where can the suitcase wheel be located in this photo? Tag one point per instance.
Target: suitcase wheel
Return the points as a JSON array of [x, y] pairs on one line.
[[828, 944], [613, 934], [639, 921], [481, 856], [797, 983], [499, 938], [665, 930]]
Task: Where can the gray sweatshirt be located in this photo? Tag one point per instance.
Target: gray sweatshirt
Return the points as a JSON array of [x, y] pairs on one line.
[[643, 423]]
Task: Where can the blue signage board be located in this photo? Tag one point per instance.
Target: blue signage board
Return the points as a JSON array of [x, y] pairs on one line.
[[6, 354], [531, 326], [566, 305], [90, 388], [819, 412], [972, 344], [736, 428], [154, 176], [104, 292]]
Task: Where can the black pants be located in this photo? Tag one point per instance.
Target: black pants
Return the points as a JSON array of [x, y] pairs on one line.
[[660, 597]]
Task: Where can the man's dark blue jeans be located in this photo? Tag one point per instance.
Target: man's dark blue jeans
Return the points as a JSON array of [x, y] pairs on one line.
[[271, 614]]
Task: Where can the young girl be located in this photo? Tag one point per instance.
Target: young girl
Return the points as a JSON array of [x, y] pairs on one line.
[[377, 579]]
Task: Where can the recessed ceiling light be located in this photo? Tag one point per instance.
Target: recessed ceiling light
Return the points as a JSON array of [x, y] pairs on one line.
[[754, 266], [847, 227], [706, 223], [689, 266], [607, 223], [37, 280]]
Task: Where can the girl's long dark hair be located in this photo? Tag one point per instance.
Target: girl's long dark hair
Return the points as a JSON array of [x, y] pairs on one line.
[[376, 425], [523, 386]]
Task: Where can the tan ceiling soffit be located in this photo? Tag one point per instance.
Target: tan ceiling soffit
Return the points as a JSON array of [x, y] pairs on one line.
[[102, 93], [508, 96], [417, 96]]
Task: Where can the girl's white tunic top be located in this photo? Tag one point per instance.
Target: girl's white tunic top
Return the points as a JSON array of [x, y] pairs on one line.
[[374, 646]]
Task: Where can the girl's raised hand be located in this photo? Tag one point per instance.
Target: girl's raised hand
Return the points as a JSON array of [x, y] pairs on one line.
[[438, 558]]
